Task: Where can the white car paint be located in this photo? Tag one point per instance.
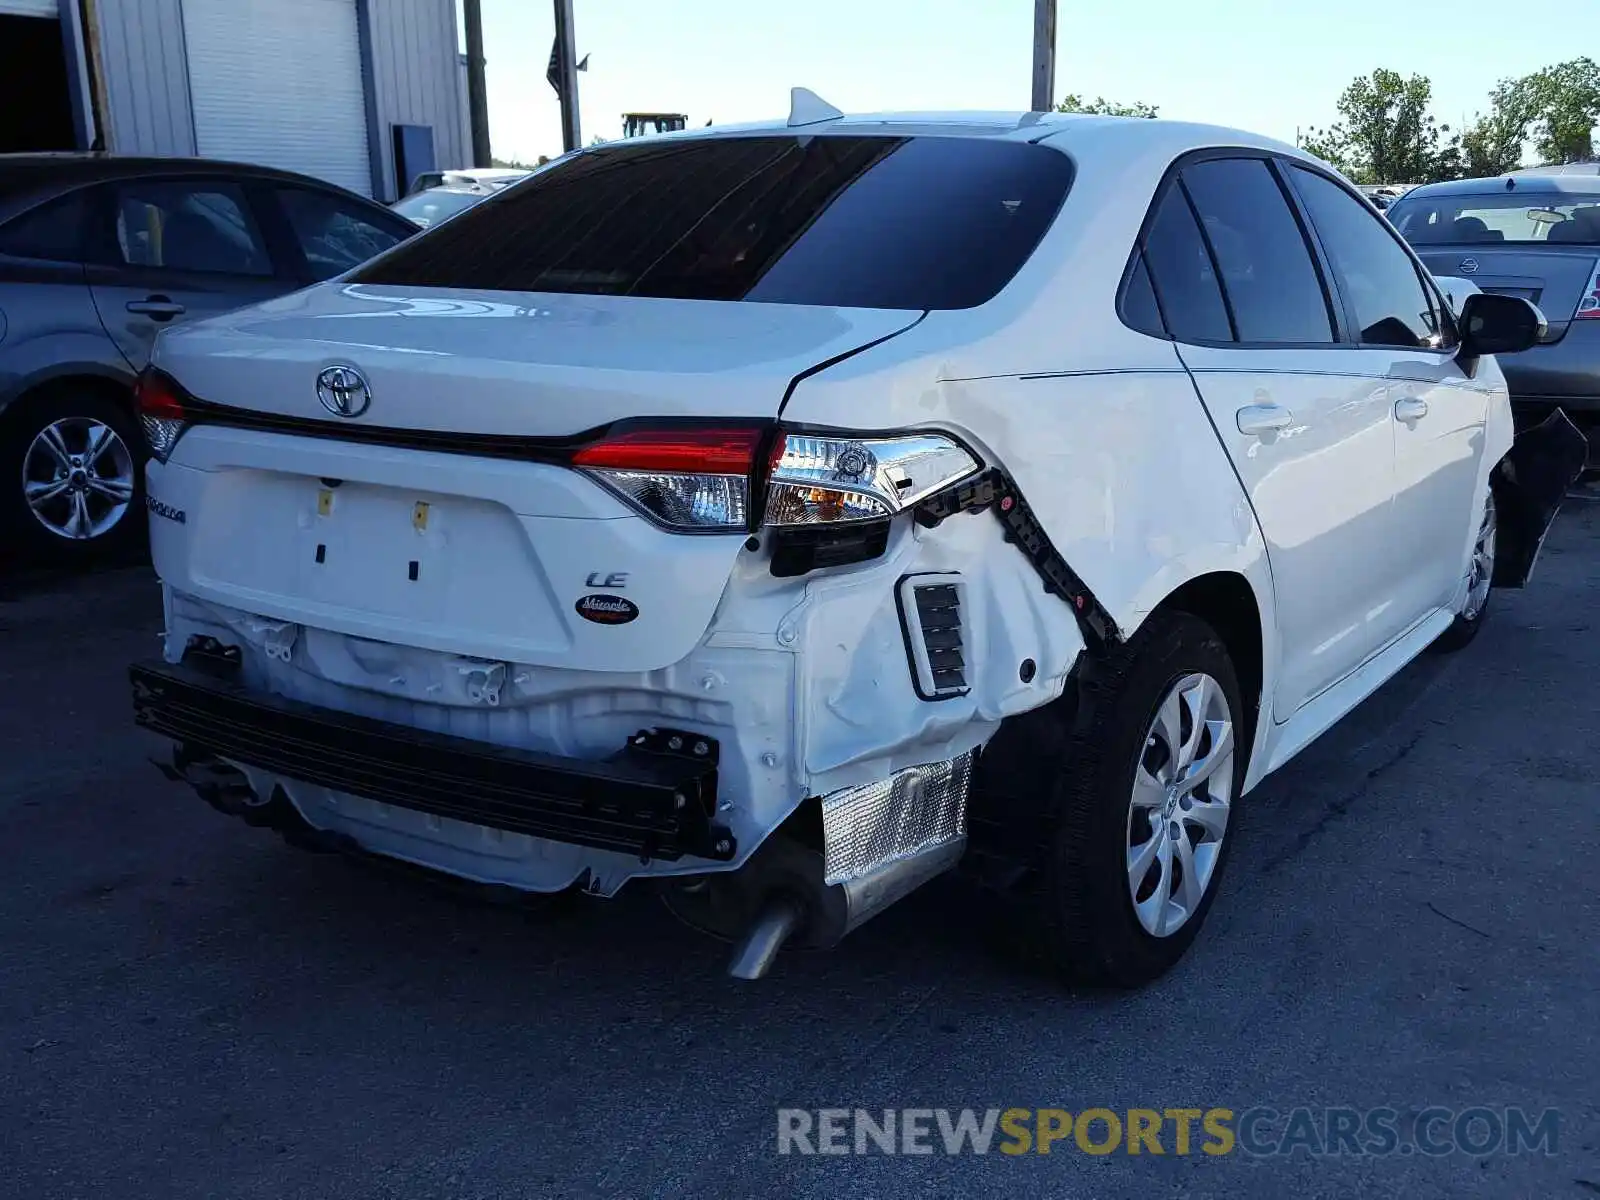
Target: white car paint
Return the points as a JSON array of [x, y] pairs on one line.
[[1351, 529]]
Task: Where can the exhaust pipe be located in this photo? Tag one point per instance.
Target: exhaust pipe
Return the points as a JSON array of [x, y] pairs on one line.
[[755, 955], [779, 897]]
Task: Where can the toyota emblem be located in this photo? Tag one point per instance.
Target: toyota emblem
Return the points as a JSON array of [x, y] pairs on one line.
[[343, 391], [1469, 266]]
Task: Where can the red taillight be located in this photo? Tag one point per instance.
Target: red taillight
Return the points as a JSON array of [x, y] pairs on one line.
[[697, 451], [161, 414], [158, 397], [687, 478]]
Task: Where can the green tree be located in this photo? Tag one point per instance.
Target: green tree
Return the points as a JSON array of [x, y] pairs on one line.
[[1386, 134], [1493, 143], [1563, 105], [1331, 145], [1100, 106]]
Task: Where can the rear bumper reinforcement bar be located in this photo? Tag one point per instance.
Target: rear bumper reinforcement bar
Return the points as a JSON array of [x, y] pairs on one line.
[[655, 797]]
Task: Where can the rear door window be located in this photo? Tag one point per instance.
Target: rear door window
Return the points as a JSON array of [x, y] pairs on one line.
[[190, 226], [857, 221], [1267, 274], [1182, 273]]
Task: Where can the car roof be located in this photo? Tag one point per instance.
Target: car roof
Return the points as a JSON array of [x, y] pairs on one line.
[[1079, 133], [27, 178], [1517, 183]]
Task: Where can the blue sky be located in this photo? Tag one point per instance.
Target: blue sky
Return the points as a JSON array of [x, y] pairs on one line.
[[1262, 65]]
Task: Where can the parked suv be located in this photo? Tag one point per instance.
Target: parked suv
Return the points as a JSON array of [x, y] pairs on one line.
[[782, 515], [97, 255], [1534, 234]]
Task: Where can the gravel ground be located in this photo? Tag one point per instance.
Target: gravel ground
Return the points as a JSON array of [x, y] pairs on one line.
[[191, 1008]]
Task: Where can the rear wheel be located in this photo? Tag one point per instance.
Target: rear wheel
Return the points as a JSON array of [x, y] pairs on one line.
[[1480, 584], [1142, 813], [71, 468]]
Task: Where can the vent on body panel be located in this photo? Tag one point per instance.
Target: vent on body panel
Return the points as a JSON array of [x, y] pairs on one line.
[[930, 618]]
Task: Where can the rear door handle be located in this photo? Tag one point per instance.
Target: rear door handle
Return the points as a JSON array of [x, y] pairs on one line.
[[158, 308], [1264, 418], [1410, 409]]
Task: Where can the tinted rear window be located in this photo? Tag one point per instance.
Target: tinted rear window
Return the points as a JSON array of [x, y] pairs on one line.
[[1183, 274], [871, 222]]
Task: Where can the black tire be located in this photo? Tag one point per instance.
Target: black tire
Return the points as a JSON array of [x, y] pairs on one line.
[[76, 403], [1077, 918], [1465, 627]]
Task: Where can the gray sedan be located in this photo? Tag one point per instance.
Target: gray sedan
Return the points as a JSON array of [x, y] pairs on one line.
[[98, 254], [1534, 235]]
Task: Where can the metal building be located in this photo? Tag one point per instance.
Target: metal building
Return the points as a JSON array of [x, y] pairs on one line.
[[364, 93]]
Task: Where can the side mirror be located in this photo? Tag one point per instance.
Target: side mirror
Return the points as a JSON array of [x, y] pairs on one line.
[[1492, 324]]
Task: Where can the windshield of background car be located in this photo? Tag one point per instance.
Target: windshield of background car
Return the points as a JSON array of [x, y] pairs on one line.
[[1554, 217], [844, 220], [429, 208]]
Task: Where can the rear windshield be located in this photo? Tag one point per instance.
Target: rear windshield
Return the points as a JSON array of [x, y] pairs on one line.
[[434, 205], [853, 221], [1502, 217]]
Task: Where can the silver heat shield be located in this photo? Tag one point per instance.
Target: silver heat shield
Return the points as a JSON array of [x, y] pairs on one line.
[[914, 810]]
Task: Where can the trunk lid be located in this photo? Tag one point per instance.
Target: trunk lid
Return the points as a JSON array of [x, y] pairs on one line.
[[532, 365], [1555, 278], [493, 557]]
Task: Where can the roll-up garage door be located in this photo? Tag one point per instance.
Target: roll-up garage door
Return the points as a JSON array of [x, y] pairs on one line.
[[278, 82]]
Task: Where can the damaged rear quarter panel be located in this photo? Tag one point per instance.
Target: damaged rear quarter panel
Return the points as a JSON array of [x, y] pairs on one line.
[[857, 716], [1122, 467]]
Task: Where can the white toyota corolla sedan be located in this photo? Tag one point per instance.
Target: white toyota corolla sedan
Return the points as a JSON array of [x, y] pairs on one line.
[[782, 515]]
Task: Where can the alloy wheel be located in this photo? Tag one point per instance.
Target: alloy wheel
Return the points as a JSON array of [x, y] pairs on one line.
[[78, 478], [1178, 814], [1480, 575]]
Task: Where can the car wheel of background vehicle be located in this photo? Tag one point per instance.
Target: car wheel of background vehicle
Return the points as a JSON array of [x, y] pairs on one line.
[[1142, 815], [71, 477], [1480, 583]]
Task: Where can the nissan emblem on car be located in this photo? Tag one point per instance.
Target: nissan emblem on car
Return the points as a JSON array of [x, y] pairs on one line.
[[343, 391], [1469, 266]]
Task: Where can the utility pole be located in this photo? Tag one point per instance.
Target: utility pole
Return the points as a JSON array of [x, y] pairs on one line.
[[1044, 55], [477, 93], [567, 72]]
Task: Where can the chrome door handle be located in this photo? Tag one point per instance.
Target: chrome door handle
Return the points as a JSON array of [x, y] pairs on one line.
[[1410, 409], [157, 307], [1263, 418]]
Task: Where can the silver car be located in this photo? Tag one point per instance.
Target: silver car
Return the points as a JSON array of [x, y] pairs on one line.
[[98, 254]]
